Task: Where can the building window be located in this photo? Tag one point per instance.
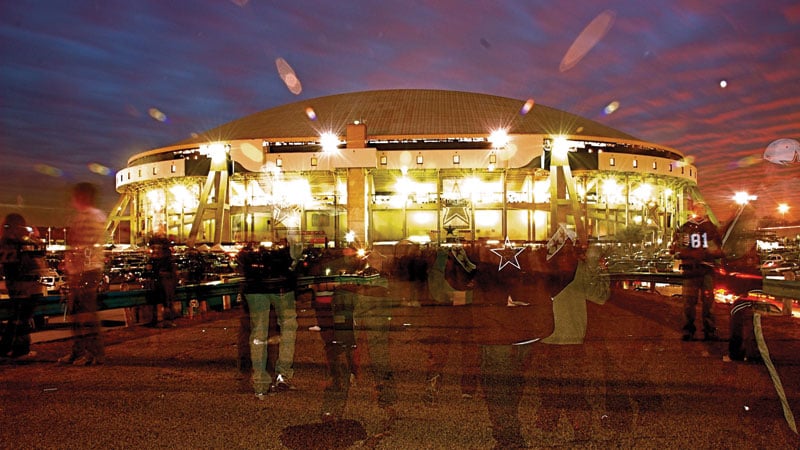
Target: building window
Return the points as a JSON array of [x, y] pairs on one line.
[[612, 162], [670, 167], [155, 170], [655, 165], [635, 163], [173, 169]]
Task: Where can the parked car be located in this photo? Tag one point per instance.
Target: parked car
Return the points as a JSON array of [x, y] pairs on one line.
[[779, 269], [772, 257], [53, 281], [768, 304]]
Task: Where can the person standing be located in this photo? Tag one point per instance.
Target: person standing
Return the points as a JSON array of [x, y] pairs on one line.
[[270, 282], [161, 268], [698, 244], [22, 258], [83, 264]]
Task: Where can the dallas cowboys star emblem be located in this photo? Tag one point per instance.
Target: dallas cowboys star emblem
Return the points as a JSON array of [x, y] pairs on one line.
[[508, 255], [456, 215]]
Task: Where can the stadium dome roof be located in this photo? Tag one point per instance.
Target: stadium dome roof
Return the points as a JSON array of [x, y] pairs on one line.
[[412, 113]]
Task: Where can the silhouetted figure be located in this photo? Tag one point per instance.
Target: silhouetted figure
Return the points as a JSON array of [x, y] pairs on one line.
[[512, 310], [161, 270], [22, 258]]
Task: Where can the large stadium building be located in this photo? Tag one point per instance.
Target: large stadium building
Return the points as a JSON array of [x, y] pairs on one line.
[[393, 164]]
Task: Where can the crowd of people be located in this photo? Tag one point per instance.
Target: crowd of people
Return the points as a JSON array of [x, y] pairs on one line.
[[495, 308], [493, 317]]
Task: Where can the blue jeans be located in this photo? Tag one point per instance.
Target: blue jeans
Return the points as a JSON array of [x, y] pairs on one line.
[[365, 309], [259, 305]]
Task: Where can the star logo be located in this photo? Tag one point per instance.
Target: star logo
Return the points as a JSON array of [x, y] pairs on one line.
[[456, 215], [508, 255]]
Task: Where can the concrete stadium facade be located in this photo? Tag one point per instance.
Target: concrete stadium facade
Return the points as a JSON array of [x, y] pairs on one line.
[[392, 164]]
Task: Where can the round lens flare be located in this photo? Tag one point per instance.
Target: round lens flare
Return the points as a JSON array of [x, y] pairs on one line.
[[156, 114], [526, 108], [48, 170], [98, 169], [588, 38], [288, 76], [312, 115], [611, 107]]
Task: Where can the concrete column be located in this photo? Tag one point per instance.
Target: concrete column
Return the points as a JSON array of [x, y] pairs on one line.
[[357, 202]]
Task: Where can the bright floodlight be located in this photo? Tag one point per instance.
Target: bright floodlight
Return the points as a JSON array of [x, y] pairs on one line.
[[783, 208], [743, 198], [499, 138], [329, 142], [217, 151]]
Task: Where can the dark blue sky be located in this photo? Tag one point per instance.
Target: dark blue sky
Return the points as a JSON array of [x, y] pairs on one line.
[[86, 84]]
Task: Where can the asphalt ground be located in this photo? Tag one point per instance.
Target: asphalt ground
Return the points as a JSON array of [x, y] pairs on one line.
[[633, 384]]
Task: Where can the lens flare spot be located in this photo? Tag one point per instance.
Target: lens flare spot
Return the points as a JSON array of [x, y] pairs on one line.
[[311, 114], [747, 161], [588, 38], [611, 107], [406, 159], [288, 76], [132, 111], [251, 152], [48, 170], [156, 114], [526, 108], [98, 169], [723, 84]]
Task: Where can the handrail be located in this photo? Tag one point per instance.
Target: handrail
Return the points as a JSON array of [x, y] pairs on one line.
[[212, 293]]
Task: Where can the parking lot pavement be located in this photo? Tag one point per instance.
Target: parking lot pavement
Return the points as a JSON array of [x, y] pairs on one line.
[[58, 327], [632, 384]]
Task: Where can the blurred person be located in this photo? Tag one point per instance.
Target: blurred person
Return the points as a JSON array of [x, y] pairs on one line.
[[161, 268], [22, 258], [570, 397], [512, 310], [450, 282], [270, 282], [698, 244], [83, 264], [354, 319]]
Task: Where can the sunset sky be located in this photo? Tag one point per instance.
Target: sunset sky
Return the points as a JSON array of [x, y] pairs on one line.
[[87, 84]]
